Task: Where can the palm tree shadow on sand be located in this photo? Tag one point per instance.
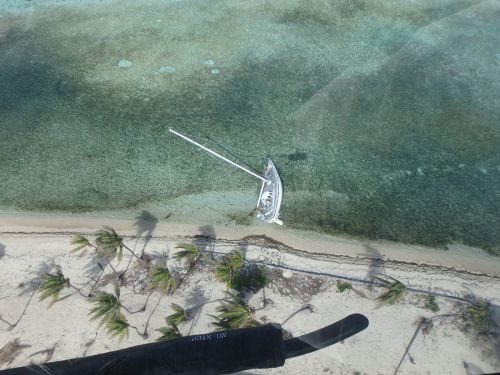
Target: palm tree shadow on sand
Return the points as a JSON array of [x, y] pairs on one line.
[[94, 267], [2, 250], [205, 240], [376, 265], [30, 286], [195, 301], [145, 224]]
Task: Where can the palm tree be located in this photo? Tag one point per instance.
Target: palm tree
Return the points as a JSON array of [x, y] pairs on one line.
[[250, 278], [235, 313], [118, 326], [162, 279], [106, 306], [111, 243], [226, 270], [52, 285], [235, 259], [168, 333], [180, 315], [189, 253], [479, 314], [396, 290], [82, 243], [224, 274]]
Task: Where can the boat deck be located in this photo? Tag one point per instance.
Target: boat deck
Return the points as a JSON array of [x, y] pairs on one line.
[[271, 192]]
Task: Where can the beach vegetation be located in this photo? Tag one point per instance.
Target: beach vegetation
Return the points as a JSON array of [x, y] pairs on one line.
[[251, 278], [226, 270], [479, 315], [110, 243], [52, 284], [106, 305], [234, 313], [396, 290], [235, 259], [188, 253], [118, 326], [342, 286], [80, 243], [431, 303], [162, 280], [168, 332], [179, 316]]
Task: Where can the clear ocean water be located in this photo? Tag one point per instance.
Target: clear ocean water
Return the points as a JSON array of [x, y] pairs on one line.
[[383, 117]]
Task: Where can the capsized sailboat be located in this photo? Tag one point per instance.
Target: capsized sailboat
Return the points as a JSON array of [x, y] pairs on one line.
[[271, 191]]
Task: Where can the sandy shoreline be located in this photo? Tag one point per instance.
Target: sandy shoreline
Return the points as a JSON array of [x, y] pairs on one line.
[[457, 256]]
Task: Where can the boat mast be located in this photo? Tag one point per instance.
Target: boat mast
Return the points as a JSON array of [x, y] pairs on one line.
[[216, 154]]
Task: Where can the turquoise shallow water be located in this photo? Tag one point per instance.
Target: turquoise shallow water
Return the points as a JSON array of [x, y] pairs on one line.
[[383, 118]]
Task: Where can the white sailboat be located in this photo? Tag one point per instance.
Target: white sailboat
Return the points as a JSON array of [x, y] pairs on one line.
[[271, 191]]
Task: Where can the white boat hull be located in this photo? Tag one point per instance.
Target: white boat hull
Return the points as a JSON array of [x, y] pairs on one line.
[[271, 193]]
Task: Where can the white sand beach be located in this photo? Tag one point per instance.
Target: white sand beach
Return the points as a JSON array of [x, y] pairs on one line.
[[303, 270]]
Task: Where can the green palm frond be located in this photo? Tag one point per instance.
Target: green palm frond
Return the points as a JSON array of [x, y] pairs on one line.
[[235, 313], [110, 243], [80, 242], [162, 279], [249, 279], [220, 324], [479, 314], [227, 269], [189, 253], [53, 284], [431, 303], [180, 315], [168, 333], [396, 290], [117, 327], [106, 305], [224, 274], [235, 259], [342, 286]]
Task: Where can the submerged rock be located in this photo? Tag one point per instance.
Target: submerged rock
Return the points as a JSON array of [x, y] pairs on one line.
[[210, 63], [167, 69], [124, 63]]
